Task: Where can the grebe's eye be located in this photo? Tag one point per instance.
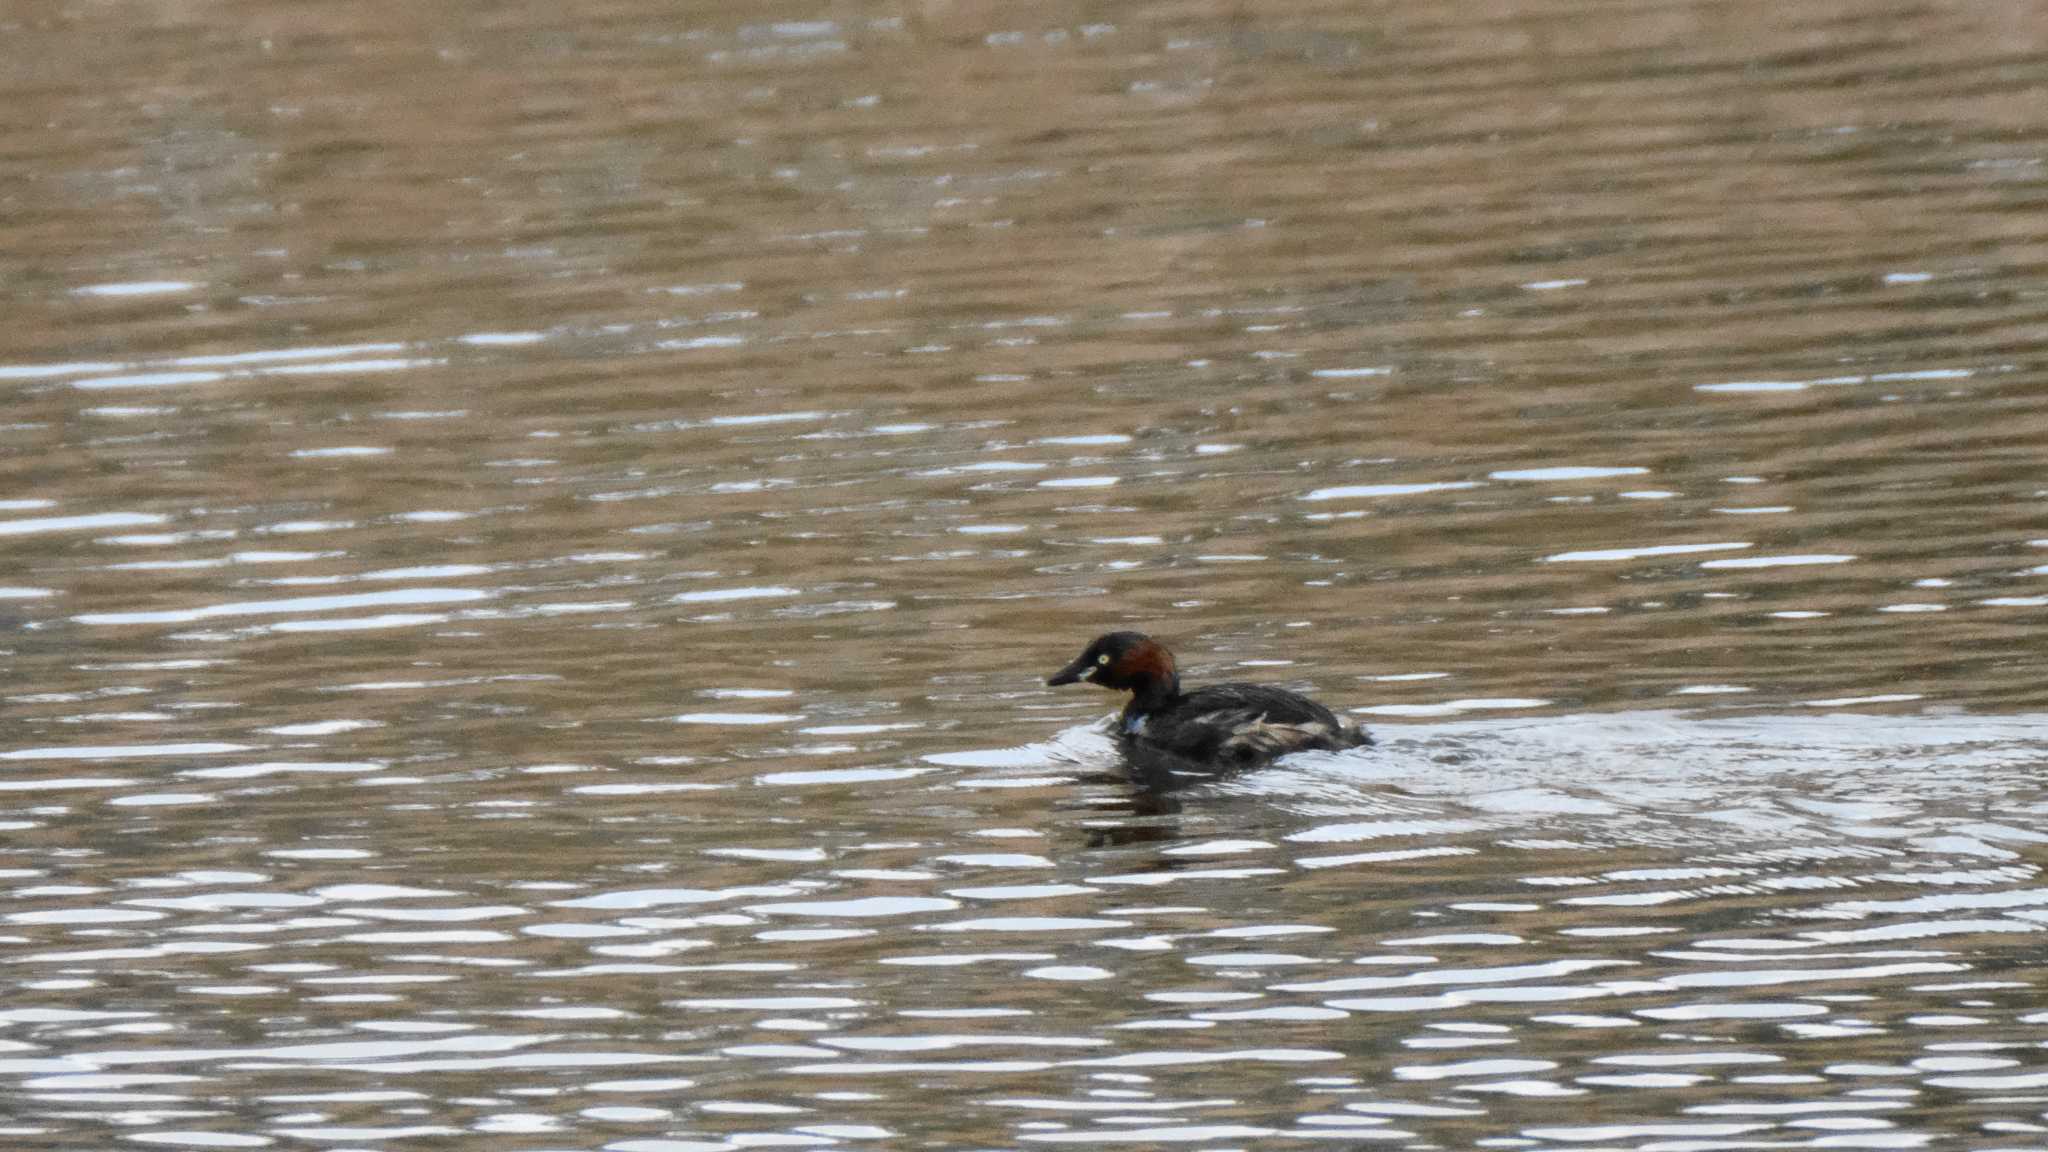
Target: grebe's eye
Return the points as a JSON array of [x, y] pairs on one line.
[[1103, 659]]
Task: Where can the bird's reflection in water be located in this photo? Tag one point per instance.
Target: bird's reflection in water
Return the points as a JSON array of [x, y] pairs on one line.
[[1147, 798]]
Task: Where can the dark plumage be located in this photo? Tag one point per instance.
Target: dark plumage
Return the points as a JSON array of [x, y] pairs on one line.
[[1223, 726]]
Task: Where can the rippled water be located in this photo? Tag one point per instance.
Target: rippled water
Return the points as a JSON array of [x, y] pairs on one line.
[[532, 540]]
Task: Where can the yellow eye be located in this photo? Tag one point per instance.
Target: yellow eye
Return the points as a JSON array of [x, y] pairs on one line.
[[1103, 659]]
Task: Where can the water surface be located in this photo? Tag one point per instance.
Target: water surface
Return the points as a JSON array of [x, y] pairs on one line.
[[530, 542]]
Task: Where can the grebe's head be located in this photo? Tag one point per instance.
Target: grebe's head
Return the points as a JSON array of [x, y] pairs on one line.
[[1125, 662]]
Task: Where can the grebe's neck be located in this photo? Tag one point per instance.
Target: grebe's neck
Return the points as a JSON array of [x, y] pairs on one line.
[[1152, 675], [1154, 694]]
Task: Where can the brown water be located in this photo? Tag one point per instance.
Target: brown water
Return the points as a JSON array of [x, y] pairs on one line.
[[532, 537]]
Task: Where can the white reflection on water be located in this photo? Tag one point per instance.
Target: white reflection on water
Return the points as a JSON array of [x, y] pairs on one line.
[[1354, 491], [79, 523], [1605, 554], [395, 597], [1566, 472], [137, 288], [1777, 561]]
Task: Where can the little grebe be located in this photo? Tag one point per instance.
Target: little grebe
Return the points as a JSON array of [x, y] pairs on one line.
[[1223, 726]]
